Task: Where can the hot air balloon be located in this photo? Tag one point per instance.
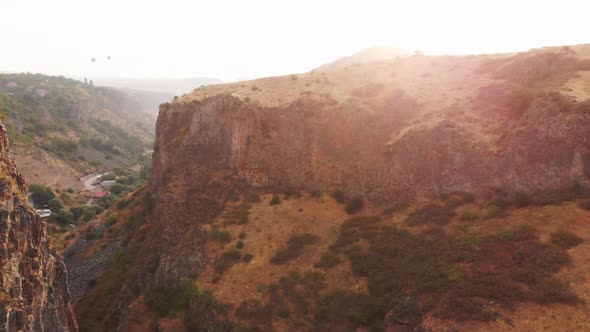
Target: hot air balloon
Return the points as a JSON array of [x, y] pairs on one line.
[[93, 59]]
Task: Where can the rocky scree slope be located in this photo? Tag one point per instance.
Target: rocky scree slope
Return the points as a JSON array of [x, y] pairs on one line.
[[34, 292]]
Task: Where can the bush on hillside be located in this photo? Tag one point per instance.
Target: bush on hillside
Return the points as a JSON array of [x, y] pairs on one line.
[[61, 146], [168, 300], [585, 204], [205, 313], [339, 196], [395, 208], [275, 200], [493, 211], [87, 212], [41, 194], [403, 269], [566, 239], [328, 261], [62, 217], [521, 199], [54, 205], [468, 215], [117, 188], [220, 235], [354, 205], [431, 213], [227, 259], [294, 248]]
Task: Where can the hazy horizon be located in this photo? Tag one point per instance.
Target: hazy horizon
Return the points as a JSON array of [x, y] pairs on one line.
[[228, 40]]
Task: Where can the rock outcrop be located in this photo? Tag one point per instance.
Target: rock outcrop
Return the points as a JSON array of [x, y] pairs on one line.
[[315, 146], [34, 292], [357, 130]]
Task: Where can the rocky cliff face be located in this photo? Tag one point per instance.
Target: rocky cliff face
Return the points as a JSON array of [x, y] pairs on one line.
[[34, 292], [313, 145], [402, 130]]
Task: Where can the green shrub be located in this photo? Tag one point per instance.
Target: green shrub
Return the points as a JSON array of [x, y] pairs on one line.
[[238, 215], [244, 217], [557, 196], [354, 205], [169, 300], [240, 245], [283, 312], [112, 219], [205, 313], [317, 194], [298, 292], [395, 208], [343, 311], [328, 261], [431, 213], [41, 194], [54, 205], [494, 211], [123, 203], [453, 201], [457, 198], [275, 200], [90, 234], [468, 215], [521, 199], [585, 204], [566, 239], [112, 232], [254, 312], [63, 217], [227, 260], [294, 248], [117, 188], [87, 212], [61, 146], [351, 231], [404, 269], [339, 196], [66, 198], [220, 235]]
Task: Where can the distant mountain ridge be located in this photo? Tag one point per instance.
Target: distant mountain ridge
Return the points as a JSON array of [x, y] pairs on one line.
[[174, 86], [368, 55]]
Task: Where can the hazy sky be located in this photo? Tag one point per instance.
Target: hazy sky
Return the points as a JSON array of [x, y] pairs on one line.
[[252, 38]]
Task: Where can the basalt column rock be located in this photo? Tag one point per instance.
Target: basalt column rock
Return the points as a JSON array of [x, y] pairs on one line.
[[34, 292]]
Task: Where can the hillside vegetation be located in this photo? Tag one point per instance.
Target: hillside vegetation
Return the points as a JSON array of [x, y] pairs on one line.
[[62, 129]]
